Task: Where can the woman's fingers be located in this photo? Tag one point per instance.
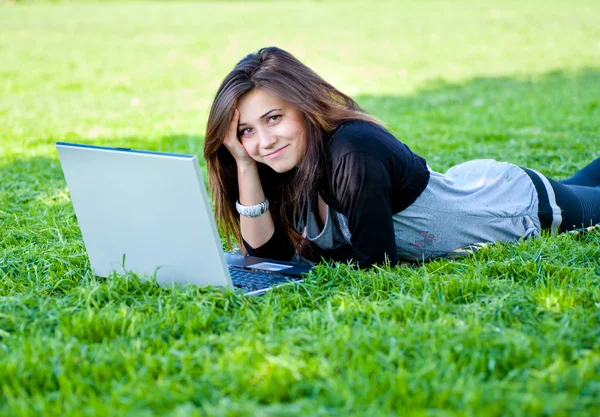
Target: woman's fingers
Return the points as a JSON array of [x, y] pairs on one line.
[[231, 137], [231, 141], [234, 125]]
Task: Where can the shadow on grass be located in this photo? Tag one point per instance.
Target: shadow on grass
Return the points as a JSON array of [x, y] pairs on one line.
[[536, 120], [549, 121]]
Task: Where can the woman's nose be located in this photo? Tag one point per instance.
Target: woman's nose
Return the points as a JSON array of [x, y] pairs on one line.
[[266, 139]]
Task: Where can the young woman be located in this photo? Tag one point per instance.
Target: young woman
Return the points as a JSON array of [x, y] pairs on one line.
[[297, 167]]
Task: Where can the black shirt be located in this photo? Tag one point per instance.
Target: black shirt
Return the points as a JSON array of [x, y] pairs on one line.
[[370, 176]]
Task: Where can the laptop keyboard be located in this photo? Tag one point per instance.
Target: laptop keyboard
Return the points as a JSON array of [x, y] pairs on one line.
[[252, 281]]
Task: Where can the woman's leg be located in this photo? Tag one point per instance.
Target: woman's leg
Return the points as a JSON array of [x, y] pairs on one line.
[[564, 207], [587, 177], [580, 205]]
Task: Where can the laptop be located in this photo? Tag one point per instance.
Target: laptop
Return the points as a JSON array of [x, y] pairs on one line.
[[149, 213]]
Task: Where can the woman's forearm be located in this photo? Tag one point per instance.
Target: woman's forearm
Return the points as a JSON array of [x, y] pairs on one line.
[[256, 231]]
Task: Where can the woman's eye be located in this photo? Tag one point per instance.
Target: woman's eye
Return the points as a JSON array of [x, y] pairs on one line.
[[245, 131], [274, 118]]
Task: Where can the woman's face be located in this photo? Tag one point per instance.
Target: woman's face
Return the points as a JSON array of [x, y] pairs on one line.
[[271, 130]]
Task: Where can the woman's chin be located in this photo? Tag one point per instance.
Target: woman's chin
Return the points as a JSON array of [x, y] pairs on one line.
[[281, 167]]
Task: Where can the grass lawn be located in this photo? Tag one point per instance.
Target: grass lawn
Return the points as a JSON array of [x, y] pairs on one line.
[[511, 330]]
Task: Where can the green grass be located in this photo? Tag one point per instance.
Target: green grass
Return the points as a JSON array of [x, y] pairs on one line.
[[512, 330]]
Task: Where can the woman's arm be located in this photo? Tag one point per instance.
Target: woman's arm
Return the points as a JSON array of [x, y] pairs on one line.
[[259, 236], [372, 176], [362, 188], [258, 233]]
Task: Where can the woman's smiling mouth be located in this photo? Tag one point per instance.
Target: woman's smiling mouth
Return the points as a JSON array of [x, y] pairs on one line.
[[275, 153]]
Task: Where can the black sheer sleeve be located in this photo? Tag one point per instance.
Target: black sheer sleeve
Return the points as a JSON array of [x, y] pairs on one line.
[[361, 187], [371, 176]]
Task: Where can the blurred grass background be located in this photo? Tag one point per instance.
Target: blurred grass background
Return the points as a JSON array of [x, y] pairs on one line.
[[512, 330]]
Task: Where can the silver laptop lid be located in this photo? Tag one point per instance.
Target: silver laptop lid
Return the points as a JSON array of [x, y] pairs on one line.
[[146, 211]]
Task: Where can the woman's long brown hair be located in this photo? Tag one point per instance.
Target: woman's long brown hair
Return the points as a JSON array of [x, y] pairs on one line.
[[324, 108]]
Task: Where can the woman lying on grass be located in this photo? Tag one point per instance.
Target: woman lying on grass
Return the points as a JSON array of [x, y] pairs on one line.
[[297, 167]]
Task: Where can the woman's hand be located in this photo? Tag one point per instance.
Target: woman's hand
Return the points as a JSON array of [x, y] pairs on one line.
[[234, 146]]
